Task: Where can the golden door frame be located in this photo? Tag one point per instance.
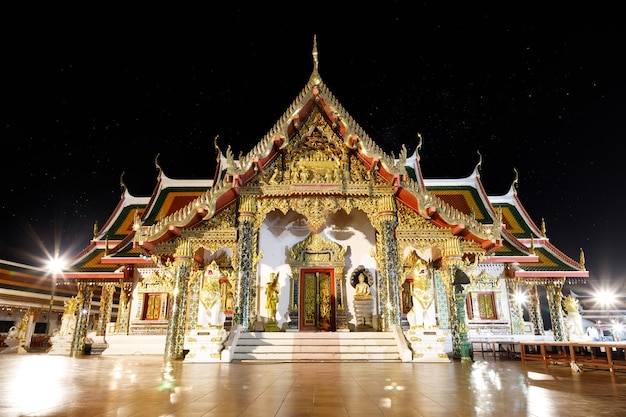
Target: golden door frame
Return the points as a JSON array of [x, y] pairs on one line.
[[317, 300], [316, 293]]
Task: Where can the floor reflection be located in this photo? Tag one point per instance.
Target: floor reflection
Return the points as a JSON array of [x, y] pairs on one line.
[[44, 385]]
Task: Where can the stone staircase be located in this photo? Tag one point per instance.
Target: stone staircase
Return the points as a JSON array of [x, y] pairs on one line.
[[318, 346]]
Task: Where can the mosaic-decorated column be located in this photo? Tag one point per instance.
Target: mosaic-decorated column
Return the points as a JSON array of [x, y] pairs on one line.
[[465, 347], [515, 307], [245, 289], [388, 286], [175, 339], [106, 307], [452, 260], [441, 294], [534, 308], [195, 283], [85, 293], [555, 298]]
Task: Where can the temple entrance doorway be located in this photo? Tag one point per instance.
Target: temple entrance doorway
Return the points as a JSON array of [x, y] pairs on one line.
[[317, 299]]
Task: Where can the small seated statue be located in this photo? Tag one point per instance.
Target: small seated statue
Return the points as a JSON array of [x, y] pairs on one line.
[[362, 288]]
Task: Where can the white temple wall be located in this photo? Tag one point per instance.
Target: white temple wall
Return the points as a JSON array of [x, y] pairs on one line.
[[279, 233]]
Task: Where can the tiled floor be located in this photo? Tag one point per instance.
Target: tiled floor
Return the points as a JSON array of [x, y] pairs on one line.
[[44, 385]]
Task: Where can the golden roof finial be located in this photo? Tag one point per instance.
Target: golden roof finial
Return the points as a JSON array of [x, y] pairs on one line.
[[217, 148], [315, 76], [480, 161], [95, 229], [137, 223], [106, 246], [419, 145], [158, 167], [122, 184], [496, 229], [582, 259], [543, 227], [532, 244]]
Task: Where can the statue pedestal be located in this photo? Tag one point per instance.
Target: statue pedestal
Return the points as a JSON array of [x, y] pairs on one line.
[[292, 326], [272, 326], [427, 345], [364, 309], [15, 345], [342, 321], [61, 345], [205, 345]]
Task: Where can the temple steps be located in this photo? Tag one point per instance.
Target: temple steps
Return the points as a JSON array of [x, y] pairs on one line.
[[316, 346]]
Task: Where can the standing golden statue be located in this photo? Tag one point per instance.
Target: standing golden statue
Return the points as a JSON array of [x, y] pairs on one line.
[[271, 291]]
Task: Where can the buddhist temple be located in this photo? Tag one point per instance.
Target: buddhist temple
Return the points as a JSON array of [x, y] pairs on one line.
[[317, 234]]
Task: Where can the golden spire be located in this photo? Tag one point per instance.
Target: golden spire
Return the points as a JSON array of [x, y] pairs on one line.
[[532, 244], [106, 245], [543, 227], [95, 229], [315, 76]]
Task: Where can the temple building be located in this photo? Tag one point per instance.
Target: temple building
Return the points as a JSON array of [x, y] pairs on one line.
[[316, 230]]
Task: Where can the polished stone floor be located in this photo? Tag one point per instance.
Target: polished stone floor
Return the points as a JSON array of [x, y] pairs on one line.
[[93, 385]]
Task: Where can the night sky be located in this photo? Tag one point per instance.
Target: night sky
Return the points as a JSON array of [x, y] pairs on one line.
[[541, 95]]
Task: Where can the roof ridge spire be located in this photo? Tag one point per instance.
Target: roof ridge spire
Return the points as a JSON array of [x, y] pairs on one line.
[[315, 76]]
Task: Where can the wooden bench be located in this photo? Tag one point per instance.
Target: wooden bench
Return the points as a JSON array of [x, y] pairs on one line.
[[501, 348], [604, 355]]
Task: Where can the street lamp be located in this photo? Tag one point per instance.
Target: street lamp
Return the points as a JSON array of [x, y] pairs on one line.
[[55, 267]]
